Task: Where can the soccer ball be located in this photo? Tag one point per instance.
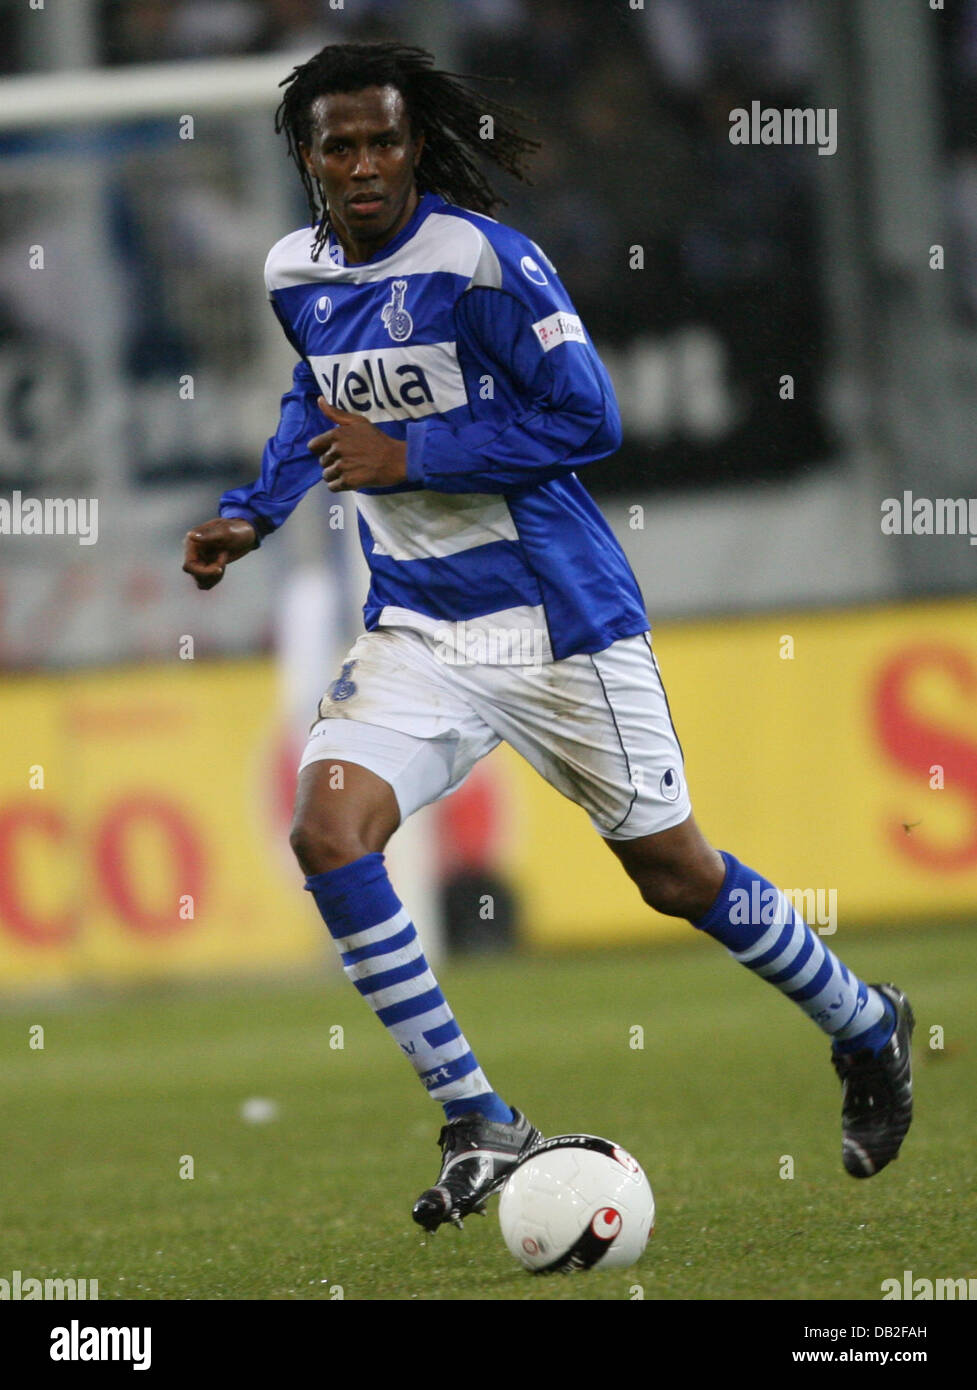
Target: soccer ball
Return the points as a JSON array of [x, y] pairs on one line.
[[576, 1202]]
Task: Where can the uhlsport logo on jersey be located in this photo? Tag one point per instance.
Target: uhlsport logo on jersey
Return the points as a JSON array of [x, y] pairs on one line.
[[323, 309], [393, 383], [533, 270], [398, 321]]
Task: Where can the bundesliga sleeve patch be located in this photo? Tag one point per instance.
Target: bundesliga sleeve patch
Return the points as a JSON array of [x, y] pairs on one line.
[[559, 328]]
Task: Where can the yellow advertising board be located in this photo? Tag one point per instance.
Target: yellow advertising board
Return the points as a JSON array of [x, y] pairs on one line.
[[143, 826], [144, 812], [832, 751]]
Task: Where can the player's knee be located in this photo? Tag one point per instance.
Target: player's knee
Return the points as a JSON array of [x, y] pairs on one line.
[[320, 847], [678, 894], [665, 894]]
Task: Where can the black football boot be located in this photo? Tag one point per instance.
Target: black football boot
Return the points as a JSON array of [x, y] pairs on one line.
[[476, 1155], [877, 1095]]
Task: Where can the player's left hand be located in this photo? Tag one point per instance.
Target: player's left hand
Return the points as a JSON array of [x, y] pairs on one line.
[[356, 454]]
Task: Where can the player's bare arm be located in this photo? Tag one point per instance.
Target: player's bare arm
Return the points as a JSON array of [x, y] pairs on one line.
[[356, 454], [210, 548]]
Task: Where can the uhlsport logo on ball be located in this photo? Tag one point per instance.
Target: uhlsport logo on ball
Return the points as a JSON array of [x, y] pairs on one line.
[[576, 1202]]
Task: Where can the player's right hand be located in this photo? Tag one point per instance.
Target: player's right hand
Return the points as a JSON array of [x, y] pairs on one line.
[[210, 548]]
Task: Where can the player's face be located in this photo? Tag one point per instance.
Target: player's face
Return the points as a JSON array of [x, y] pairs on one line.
[[364, 157]]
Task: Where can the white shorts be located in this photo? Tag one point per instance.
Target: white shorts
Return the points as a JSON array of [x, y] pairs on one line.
[[598, 728]]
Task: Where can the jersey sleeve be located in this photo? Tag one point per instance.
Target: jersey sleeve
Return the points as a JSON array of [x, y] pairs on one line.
[[288, 470], [555, 410]]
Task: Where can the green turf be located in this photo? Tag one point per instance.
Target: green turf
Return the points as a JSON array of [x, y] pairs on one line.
[[730, 1079]]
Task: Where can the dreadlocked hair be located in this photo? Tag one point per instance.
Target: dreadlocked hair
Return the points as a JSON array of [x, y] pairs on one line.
[[439, 105]]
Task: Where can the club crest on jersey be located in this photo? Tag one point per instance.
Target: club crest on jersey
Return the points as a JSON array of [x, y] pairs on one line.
[[343, 688], [397, 320]]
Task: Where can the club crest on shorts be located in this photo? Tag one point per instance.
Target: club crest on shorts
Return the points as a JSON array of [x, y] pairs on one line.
[[343, 688], [670, 785], [397, 320]]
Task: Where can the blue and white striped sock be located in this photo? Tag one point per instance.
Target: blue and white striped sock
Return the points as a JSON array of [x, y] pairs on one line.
[[382, 955], [764, 932]]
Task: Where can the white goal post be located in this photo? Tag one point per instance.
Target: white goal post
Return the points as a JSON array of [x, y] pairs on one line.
[[94, 95]]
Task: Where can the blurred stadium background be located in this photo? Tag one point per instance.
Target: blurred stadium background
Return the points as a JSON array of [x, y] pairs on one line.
[[818, 668], [793, 339]]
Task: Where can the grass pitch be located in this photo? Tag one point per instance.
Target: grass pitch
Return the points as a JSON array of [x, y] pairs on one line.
[[730, 1083]]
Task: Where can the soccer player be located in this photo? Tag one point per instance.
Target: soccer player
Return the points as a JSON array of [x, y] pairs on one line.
[[445, 379]]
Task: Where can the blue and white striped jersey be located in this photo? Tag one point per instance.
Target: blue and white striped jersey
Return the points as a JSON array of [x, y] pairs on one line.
[[458, 337]]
